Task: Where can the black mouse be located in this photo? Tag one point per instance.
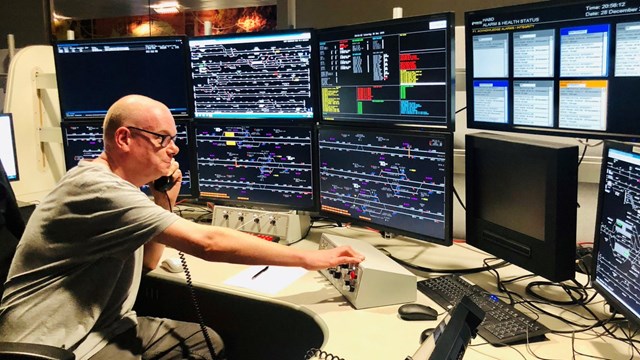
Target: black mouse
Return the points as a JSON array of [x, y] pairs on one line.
[[426, 333], [417, 312]]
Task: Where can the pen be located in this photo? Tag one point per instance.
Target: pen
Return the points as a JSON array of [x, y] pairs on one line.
[[260, 272]]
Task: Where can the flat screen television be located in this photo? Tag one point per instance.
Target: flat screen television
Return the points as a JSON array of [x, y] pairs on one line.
[[93, 74], [395, 181], [8, 153], [521, 202], [265, 165], [266, 75], [83, 140], [390, 73], [616, 259], [555, 68]]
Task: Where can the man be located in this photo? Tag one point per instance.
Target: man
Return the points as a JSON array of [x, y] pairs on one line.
[[77, 268]]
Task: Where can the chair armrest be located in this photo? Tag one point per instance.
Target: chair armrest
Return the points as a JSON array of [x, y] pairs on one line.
[[12, 350]]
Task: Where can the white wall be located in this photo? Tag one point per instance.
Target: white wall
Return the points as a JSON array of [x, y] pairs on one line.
[[40, 164]]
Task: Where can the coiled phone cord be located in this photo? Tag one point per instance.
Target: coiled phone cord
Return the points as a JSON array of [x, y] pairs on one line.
[[194, 298]]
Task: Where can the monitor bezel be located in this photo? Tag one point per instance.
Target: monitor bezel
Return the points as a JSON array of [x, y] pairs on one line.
[[12, 136], [602, 291], [313, 73], [184, 50], [450, 59], [448, 223], [276, 206], [522, 129]]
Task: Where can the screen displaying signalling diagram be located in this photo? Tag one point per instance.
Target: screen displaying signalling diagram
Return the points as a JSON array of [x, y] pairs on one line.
[[256, 165], [617, 270], [392, 72], [567, 69], [83, 140], [253, 76], [399, 182]]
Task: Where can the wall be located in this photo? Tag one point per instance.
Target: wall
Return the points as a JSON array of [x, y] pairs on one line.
[[327, 13], [26, 20]]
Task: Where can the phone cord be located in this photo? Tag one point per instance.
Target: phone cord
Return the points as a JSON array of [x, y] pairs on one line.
[[194, 298], [320, 354]]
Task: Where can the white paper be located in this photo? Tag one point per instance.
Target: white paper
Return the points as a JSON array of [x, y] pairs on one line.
[[271, 281]]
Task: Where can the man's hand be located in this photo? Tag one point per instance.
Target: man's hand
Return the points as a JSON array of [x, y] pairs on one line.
[[323, 259], [159, 196]]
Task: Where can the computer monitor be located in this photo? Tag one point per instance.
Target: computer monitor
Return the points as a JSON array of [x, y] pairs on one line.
[[259, 166], [616, 261], [93, 74], [521, 202], [388, 73], [8, 153], [555, 68], [395, 181], [267, 75], [83, 140]]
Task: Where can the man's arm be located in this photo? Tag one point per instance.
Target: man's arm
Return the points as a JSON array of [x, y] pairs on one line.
[[152, 249], [221, 244]]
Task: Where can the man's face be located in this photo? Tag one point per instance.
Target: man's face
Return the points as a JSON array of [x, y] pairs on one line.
[[153, 148]]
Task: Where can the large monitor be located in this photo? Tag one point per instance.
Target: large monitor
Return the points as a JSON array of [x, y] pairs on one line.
[[260, 166], [388, 73], [521, 202], [93, 74], [616, 253], [8, 153], [254, 75], [396, 181], [83, 140], [555, 68]]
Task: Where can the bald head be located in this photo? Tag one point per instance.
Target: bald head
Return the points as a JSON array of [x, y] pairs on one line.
[[132, 110]]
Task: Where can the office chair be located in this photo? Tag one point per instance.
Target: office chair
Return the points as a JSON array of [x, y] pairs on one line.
[[11, 229]]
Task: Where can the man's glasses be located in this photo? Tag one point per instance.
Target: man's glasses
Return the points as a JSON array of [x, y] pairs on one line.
[[165, 140]]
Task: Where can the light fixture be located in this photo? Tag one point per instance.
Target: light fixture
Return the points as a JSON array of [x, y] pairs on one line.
[[171, 7]]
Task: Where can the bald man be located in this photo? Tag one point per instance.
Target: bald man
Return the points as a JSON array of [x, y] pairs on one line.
[[77, 268]]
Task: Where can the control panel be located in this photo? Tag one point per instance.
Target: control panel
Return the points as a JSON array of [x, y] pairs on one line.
[[377, 281], [288, 226]]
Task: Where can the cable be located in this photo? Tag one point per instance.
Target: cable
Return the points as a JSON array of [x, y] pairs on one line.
[[460, 110], [455, 192], [444, 271], [320, 354], [194, 298]]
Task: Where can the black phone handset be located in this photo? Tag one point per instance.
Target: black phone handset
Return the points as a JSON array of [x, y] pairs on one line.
[[163, 183]]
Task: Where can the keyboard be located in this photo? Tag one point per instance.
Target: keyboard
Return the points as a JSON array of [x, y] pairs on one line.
[[503, 324], [272, 238]]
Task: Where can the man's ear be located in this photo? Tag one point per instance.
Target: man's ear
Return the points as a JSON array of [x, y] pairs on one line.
[[123, 138]]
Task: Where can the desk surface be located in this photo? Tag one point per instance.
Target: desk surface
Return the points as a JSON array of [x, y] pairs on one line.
[[378, 333]]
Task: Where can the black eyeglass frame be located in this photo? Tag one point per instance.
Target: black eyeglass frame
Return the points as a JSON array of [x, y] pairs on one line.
[[163, 137]]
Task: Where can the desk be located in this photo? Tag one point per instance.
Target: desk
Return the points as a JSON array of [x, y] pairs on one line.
[[378, 333]]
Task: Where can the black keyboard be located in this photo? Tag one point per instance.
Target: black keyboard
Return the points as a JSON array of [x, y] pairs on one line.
[[503, 324]]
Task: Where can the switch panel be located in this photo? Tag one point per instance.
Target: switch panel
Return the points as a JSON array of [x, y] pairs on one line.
[[377, 281], [288, 226]]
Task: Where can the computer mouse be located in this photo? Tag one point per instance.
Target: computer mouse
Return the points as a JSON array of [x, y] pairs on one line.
[[426, 333], [417, 312], [173, 265]]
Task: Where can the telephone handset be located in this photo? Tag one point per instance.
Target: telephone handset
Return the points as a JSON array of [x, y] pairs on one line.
[[163, 183]]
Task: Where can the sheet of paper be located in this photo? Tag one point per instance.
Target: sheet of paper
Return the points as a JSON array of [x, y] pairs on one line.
[[271, 281]]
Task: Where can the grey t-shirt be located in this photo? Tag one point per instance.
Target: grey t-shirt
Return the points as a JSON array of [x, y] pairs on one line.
[[77, 268]]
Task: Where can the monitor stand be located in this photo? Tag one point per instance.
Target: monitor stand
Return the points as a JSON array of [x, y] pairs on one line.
[[289, 226]]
